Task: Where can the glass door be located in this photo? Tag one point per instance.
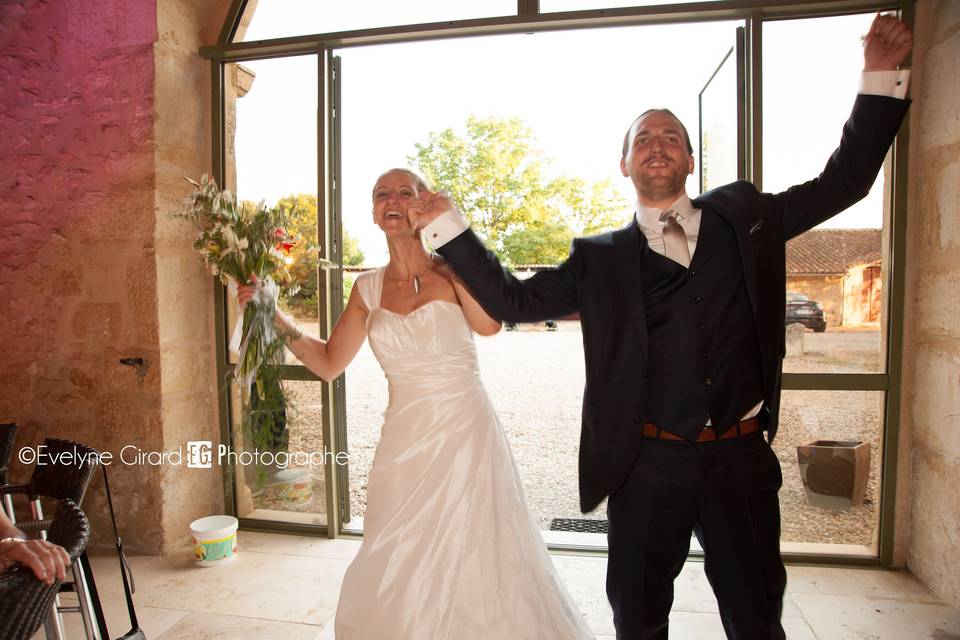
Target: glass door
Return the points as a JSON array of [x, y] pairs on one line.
[[282, 148]]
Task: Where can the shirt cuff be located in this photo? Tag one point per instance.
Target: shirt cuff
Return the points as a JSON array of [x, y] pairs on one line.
[[445, 228], [885, 83]]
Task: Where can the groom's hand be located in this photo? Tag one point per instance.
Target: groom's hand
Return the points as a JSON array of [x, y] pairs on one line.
[[887, 44], [428, 207]]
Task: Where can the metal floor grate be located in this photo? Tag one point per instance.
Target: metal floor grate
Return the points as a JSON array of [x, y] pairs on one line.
[[578, 525]]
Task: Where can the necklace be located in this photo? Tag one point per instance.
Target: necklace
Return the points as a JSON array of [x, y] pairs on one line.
[[416, 277]]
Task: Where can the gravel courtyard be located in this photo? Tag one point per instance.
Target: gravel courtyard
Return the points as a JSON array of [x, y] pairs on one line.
[[535, 379]]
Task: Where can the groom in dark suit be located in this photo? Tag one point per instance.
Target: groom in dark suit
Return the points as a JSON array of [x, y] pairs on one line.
[[682, 313]]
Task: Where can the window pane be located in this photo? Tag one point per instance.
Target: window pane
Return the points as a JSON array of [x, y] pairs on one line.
[[718, 126], [283, 18], [271, 142], [279, 472], [552, 6], [829, 445], [835, 272]]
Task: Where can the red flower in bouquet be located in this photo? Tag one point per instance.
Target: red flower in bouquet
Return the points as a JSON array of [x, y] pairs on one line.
[[286, 241]]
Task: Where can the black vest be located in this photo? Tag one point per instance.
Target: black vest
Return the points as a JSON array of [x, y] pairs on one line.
[[704, 361]]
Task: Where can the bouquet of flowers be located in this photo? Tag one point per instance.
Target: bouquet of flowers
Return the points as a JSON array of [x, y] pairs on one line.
[[240, 241]]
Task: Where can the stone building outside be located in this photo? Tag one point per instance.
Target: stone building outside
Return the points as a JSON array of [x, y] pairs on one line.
[[840, 269]]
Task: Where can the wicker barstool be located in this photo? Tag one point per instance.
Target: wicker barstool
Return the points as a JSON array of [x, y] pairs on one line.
[[25, 601], [62, 473]]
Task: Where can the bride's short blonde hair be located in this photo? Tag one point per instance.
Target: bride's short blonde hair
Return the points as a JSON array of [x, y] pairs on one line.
[[419, 181]]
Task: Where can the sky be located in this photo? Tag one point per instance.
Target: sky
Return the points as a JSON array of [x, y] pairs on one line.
[[577, 90]]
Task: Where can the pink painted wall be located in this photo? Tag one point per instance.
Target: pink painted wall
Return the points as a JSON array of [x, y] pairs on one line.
[[77, 274]]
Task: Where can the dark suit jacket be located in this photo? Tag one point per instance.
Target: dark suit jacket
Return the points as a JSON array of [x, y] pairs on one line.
[[601, 280]]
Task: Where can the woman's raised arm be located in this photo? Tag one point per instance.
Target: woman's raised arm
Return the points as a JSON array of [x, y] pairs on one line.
[[326, 358]]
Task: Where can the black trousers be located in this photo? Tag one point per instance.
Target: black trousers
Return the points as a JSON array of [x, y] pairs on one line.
[[726, 492]]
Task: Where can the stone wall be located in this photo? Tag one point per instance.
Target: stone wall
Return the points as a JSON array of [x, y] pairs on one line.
[[929, 473], [76, 235], [103, 107]]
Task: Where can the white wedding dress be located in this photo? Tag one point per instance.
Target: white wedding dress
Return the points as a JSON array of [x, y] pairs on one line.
[[450, 551]]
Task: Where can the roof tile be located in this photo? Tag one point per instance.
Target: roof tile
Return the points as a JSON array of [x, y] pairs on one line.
[[832, 251]]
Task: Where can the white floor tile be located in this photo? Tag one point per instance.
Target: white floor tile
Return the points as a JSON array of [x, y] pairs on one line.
[[856, 617], [209, 626], [273, 587], [798, 629], [880, 583], [702, 626]]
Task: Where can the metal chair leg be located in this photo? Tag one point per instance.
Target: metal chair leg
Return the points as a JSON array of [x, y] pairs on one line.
[[36, 511], [84, 604], [8, 507], [94, 594], [53, 625]]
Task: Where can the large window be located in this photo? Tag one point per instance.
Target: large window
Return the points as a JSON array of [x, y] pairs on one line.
[[322, 116]]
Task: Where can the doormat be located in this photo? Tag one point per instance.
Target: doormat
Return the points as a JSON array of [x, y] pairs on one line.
[[578, 525]]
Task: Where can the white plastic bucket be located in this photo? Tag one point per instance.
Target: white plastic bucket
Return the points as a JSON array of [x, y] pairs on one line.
[[214, 540]]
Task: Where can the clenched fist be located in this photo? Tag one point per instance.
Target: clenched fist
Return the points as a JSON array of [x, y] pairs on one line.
[[887, 44]]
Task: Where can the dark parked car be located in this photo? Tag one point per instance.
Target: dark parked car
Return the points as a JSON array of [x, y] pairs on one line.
[[805, 311]]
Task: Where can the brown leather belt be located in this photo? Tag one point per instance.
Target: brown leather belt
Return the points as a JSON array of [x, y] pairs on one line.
[[708, 434]]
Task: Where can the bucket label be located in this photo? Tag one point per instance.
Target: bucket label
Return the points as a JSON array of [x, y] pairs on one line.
[[211, 550]]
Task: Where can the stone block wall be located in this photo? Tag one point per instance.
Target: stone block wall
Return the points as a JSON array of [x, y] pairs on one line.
[[76, 234], [104, 106], [929, 473]]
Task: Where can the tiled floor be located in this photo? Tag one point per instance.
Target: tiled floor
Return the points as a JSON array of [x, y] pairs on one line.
[[286, 587]]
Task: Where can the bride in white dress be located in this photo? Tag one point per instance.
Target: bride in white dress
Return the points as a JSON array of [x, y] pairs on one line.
[[450, 550]]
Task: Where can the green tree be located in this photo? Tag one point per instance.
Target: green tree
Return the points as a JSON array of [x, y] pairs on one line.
[[498, 177], [303, 223]]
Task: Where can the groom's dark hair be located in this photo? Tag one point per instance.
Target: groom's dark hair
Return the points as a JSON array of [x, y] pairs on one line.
[[626, 136]]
